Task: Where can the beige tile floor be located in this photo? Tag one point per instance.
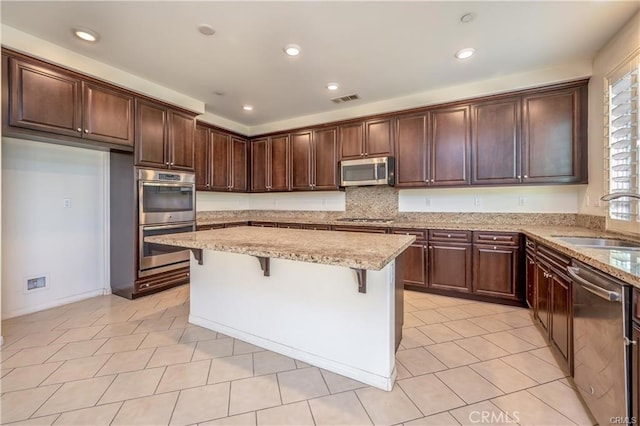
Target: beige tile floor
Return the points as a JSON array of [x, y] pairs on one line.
[[108, 360]]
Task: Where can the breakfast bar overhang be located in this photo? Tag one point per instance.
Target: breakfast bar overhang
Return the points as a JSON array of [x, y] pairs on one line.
[[331, 299]]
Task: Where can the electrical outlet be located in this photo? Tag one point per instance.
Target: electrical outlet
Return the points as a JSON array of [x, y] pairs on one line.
[[596, 202], [66, 202], [522, 200], [476, 201], [427, 201]]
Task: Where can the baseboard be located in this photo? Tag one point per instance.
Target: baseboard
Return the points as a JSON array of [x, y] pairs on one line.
[[52, 304]]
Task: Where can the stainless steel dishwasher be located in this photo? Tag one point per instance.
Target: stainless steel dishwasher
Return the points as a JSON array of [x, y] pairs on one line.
[[600, 342]]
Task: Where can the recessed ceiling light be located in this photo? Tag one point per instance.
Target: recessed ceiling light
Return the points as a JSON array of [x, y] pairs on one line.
[[292, 49], [206, 29], [333, 86], [467, 17], [85, 34], [248, 107], [465, 53]]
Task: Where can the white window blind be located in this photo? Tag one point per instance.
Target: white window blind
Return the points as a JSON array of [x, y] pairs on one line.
[[622, 171]]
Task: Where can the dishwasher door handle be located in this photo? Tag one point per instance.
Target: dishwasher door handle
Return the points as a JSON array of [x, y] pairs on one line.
[[611, 296]]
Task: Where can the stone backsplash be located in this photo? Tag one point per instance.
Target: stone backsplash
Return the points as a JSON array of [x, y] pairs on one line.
[[371, 201]]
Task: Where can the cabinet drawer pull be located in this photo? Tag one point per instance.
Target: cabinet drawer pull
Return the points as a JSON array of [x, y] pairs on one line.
[[525, 176], [531, 262], [86, 130], [495, 238], [448, 235], [495, 248], [79, 129], [519, 177]]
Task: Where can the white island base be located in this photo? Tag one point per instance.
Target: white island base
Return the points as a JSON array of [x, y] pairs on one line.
[[307, 311]]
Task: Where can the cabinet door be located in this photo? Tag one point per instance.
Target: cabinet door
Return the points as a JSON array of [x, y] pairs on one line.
[[635, 371], [301, 149], [495, 142], [378, 137], [495, 271], [239, 179], [449, 140], [552, 134], [415, 265], [530, 272], [351, 141], [561, 319], [43, 99], [181, 133], [219, 160], [107, 115], [325, 159], [202, 158], [542, 295], [279, 163], [411, 151], [259, 167], [450, 266], [151, 121]]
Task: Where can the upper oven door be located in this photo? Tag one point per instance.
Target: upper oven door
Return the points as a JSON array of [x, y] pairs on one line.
[[165, 202]]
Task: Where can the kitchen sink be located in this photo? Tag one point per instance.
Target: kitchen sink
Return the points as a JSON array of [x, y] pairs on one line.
[[602, 243]]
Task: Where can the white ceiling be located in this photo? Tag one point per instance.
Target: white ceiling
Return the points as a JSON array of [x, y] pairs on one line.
[[379, 50]]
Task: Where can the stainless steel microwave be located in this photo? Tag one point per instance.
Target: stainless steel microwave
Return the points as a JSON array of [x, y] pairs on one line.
[[368, 171]]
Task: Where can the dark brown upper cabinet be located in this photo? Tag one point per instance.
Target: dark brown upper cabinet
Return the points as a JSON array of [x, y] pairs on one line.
[[371, 138], [314, 159], [270, 164], [221, 160], [202, 152], [164, 137], [48, 99], [412, 150], [449, 146], [495, 142], [554, 136]]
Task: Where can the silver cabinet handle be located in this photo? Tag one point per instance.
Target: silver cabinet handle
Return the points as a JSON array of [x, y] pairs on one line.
[[495, 248], [495, 238], [166, 164], [519, 177], [531, 262], [448, 235], [79, 129], [525, 176], [628, 341], [431, 180], [86, 130]]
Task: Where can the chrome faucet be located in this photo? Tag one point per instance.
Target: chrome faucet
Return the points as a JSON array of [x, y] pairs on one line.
[[616, 195]]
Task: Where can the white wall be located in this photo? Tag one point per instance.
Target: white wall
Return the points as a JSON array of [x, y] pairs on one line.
[[623, 44], [529, 199], [41, 236]]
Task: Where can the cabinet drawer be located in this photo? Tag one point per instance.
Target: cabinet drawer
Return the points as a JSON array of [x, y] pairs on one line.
[[264, 224], [451, 236], [234, 224], [530, 245], [498, 238], [553, 258], [318, 227], [291, 225], [421, 234], [360, 229], [208, 227]]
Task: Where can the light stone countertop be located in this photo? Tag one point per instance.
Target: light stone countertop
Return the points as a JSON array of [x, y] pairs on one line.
[[622, 264], [349, 249]]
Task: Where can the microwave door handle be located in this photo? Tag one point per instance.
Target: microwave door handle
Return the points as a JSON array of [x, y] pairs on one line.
[[375, 171]]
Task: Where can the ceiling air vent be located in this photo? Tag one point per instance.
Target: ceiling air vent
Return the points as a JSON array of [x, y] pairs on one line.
[[346, 98]]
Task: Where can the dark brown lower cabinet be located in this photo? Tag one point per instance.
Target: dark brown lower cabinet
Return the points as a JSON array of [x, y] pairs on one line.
[[495, 271], [318, 227], [530, 274], [635, 371], [415, 259], [561, 318], [290, 225], [553, 302], [450, 260]]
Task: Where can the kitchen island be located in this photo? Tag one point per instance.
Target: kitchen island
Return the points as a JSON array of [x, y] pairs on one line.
[[331, 299]]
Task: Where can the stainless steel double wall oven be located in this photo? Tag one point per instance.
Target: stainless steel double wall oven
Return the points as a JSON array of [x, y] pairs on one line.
[[166, 205]]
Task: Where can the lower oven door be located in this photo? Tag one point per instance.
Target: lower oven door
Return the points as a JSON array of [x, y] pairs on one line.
[[156, 258]]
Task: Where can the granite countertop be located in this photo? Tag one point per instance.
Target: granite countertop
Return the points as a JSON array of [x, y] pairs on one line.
[[622, 264], [350, 249]]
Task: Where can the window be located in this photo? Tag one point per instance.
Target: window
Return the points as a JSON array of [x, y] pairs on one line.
[[622, 171]]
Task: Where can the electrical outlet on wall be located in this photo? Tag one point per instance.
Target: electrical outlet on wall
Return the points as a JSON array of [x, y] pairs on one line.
[[66, 203], [427, 201], [476, 201], [522, 200]]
